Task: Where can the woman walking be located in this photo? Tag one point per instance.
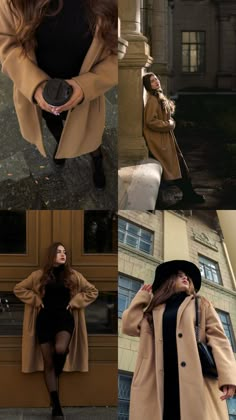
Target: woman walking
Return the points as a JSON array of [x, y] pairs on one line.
[[159, 134], [74, 41], [54, 328], [168, 382]]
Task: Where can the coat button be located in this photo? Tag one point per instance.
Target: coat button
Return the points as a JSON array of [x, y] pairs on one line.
[[183, 364], [180, 335]]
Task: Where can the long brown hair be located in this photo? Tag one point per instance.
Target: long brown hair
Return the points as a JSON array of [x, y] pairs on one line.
[[167, 104], [48, 275], [164, 292], [30, 13]]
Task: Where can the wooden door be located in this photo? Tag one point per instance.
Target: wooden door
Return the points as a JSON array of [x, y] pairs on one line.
[[91, 238]]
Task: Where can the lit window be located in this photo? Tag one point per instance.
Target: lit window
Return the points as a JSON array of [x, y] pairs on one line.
[[127, 289], [226, 322], [135, 236], [124, 384], [210, 270], [193, 52]]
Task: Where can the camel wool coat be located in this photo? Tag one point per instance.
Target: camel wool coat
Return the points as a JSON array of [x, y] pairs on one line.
[[85, 123], [199, 396], [160, 138], [28, 292]]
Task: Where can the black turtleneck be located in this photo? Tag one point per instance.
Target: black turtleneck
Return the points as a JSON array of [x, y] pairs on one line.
[[171, 372], [63, 40], [57, 295]]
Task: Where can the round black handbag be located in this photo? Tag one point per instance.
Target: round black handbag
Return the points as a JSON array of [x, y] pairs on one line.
[[57, 92]]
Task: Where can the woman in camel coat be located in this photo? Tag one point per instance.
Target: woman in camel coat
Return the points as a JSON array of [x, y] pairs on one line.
[[159, 134], [54, 327], [168, 382], [30, 64]]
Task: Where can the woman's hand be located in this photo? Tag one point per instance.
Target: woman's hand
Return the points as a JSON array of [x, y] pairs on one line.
[[68, 308], [76, 98], [38, 96], [172, 123], [42, 305], [147, 288], [228, 391]]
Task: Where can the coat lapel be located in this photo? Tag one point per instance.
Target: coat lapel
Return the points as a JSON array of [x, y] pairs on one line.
[[182, 307]]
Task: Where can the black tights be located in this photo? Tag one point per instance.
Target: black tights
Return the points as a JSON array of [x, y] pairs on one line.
[[49, 351], [55, 126]]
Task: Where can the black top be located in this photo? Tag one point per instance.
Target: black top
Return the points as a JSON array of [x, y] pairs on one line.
[[63, 40], [171, 371], [57, 296]]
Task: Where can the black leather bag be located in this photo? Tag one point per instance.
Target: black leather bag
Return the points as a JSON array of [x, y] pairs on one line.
[[205, 353], [57, 92]]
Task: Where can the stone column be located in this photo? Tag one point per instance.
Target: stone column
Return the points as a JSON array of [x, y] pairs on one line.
[[160, 40], [131, 144]]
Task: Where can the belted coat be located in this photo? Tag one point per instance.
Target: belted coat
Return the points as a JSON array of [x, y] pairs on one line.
[[160, 138], [28, 292], [199, 396], [85, 123]]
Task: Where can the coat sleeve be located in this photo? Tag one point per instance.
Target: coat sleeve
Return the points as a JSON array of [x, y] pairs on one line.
[[133, 316], [152, 109], [23, 71], [102, 77], [86, 295], [221, 348], [25, 291]]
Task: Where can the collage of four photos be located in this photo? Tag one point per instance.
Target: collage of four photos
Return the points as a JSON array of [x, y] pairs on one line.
[[117, 210]]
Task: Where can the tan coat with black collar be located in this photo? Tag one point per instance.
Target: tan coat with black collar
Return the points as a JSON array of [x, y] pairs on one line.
[[84, 125], [199, 396], [28, 292]]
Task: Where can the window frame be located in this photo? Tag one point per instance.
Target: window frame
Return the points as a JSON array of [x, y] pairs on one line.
[[200, 53], [217, 271], [130, 291], [139, 237], [122, 416], [229, 327]]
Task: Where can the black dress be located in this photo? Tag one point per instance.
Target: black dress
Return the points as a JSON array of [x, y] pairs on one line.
[[171, 371], [63, 41], [54, 317]]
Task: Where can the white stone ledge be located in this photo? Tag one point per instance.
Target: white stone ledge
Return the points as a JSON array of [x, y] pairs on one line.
[[139, 185]]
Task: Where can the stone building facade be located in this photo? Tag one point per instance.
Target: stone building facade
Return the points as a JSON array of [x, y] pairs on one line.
[[145, 240]]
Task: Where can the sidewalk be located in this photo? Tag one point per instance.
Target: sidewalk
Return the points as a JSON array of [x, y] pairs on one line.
[[30, 181], [70, 413]]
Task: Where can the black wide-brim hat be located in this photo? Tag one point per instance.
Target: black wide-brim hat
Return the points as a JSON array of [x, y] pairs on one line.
[[166, 269]]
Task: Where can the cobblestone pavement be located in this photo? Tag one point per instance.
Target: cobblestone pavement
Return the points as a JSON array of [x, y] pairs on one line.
[[30, 181], [73, 413]]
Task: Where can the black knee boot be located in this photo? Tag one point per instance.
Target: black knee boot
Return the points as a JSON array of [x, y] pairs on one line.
[[99, 179], [56, 406], [189, 195]]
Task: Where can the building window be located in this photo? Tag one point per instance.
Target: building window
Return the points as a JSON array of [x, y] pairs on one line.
[[193, 52], [100, 232], [13, 232], [101, 315], [226, 322], [124, 384], [11, 314], [232, 408], [210, 270], [127, 289], [135, 236]]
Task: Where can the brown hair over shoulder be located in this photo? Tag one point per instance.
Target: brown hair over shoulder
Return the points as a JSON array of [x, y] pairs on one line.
[[30, 13], [167, 104], [48, 275], [164, 292]]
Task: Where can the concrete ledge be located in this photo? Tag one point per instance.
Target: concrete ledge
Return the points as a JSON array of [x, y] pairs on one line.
[[139, 185]]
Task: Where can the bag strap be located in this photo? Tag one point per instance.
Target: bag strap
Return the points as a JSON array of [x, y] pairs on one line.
[[198, 317]]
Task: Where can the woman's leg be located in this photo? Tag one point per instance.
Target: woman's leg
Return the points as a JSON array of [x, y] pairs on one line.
[[62, 341], [185, 184], [50, 377], [99, 179], [55, 126]]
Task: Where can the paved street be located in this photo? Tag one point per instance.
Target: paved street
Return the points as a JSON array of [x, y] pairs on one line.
[[30, 181], [75, 413]]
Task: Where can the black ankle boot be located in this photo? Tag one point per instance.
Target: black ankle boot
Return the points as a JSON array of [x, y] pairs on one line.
[[99, 179], [189, 195], [56, 406]]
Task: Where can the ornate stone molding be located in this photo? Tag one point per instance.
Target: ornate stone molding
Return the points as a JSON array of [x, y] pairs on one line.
[[203, 239]]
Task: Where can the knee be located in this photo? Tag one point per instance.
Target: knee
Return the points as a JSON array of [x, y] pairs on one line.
[[60, 348]]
